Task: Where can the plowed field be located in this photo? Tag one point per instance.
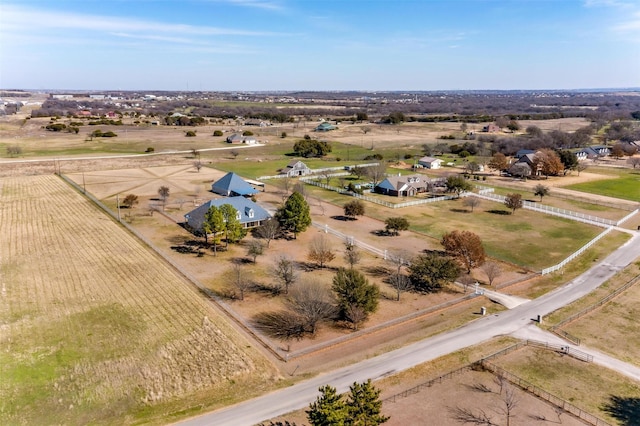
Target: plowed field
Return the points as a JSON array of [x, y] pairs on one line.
[[94, 327]]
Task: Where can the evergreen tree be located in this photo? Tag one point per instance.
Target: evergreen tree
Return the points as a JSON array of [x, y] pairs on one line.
[[213, 224], [328, 409], [294, 216], [233, 228], [354, 292], [364, 405], [430, 272]]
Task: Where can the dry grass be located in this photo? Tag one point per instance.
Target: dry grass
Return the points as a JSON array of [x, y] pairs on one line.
[[622, 336], [95, 326], [588, 386]]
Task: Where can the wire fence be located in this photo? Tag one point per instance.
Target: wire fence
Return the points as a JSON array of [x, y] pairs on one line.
[[557, 328], [544, 395], [526, 386]]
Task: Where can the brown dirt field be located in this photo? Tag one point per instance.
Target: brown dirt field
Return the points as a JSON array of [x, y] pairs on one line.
[[433, 405]]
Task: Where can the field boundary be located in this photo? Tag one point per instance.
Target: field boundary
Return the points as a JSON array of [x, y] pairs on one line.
[[557, 329]]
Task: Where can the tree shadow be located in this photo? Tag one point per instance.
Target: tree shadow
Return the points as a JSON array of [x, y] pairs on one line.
[[383, 233], [625, 410], [460, 210], [342, 218], [377, 271], [499, 212]]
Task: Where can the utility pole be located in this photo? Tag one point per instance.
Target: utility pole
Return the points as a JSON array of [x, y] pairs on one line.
[[118, 205]]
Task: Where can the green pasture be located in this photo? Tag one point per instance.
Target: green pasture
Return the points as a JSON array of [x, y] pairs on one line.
[[523, 238], [626, 186]]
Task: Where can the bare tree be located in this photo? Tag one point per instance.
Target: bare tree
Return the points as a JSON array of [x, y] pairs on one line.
[[234, 153], [300, 188], [181, 202], [268, 231], [198, 165], [326, 175], [510, 402], [376, 173], [355, 314], [492, 270], [283, 325], [239, 280], [400, 283], [352, 254], [320, 250], [314, 302], [255, 249], [130, 200], [471, 202], [163, 192], [285, 273], [634, 161], [581, 168]]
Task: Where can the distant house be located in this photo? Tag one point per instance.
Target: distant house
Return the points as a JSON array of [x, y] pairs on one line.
[[296, 168], [523, 152], [591, 152], [239, 139], [430, 162], [250, 214], [601, 150], [491, 128], [256, 122], [231, 185], [403, 186], [325, 127]]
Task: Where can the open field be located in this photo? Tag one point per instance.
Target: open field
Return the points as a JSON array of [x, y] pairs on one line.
[[407, 137], [625, 185], [96, 328], [594, 389], [622, 336]]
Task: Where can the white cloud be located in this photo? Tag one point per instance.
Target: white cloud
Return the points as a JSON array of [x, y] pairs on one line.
[[258, 4], [36, 19]]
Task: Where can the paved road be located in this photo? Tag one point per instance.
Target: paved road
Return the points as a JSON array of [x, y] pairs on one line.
[[508, 322]]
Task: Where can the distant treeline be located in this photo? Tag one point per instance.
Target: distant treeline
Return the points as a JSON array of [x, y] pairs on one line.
[[463, 107]]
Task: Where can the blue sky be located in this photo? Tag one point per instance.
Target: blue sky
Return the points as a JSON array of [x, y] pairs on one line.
[[319, 45]]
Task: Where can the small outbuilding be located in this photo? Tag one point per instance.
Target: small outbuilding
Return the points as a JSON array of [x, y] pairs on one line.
[[430, 162], [296, 168]]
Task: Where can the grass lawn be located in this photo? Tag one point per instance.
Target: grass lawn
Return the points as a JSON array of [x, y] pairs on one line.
[[521, 238], [626, 186], [594, 389]]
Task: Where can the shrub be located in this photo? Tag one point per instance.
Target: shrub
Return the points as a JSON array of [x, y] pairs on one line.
[[217, 133], [190, 133], [150, 149], [247, 133]]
